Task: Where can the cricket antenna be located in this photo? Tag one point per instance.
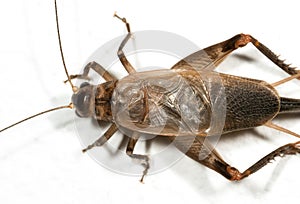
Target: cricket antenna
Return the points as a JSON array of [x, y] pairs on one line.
[[74, 88], [41, 113]]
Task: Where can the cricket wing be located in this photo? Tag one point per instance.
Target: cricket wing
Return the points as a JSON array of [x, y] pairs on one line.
[[170, 103]]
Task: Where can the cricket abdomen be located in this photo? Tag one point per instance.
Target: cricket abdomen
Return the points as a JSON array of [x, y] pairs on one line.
[[250, 103]]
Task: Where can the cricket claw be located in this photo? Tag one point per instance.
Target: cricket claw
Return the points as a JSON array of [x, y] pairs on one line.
[[84, 150], [99, 142], [144, 162], [142, 179], [89, 147], [123, 20], [115, 14]]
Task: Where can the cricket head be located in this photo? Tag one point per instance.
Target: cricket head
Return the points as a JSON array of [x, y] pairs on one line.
[[83, 101], [94, 100]]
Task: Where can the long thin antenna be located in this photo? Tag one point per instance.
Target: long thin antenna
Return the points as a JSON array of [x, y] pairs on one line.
[[41, 113], [74, 88]]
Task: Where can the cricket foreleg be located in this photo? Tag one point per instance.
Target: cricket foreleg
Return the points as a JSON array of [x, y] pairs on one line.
[[129, 68], [144, 159], [97, 68], [103, 139], [202, 152]]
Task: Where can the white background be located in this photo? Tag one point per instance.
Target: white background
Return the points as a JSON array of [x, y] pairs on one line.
[[41, 161]]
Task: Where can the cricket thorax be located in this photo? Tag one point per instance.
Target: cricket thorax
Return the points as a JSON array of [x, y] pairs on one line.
[[94, 101], [103, 95], [160, 101]]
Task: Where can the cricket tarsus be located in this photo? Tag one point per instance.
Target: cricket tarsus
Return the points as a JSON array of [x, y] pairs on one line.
[[124, 20], [127, 65], [41, 113], [288, 149], [144, 159], [97, 68], [74, 88], [214, 161]]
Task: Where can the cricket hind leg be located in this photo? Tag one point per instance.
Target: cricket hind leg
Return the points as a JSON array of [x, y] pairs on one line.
[[129, 68], [211, 57], [211, 159], [242, 40], [144, 159]]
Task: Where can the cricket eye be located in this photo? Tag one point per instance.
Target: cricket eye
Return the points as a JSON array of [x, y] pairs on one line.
[[84, 84], [82, 101]]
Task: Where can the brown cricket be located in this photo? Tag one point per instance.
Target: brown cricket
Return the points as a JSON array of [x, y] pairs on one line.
[[138, 106]]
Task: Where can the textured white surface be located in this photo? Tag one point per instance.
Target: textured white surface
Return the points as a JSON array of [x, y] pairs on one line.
[[41, 161]]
